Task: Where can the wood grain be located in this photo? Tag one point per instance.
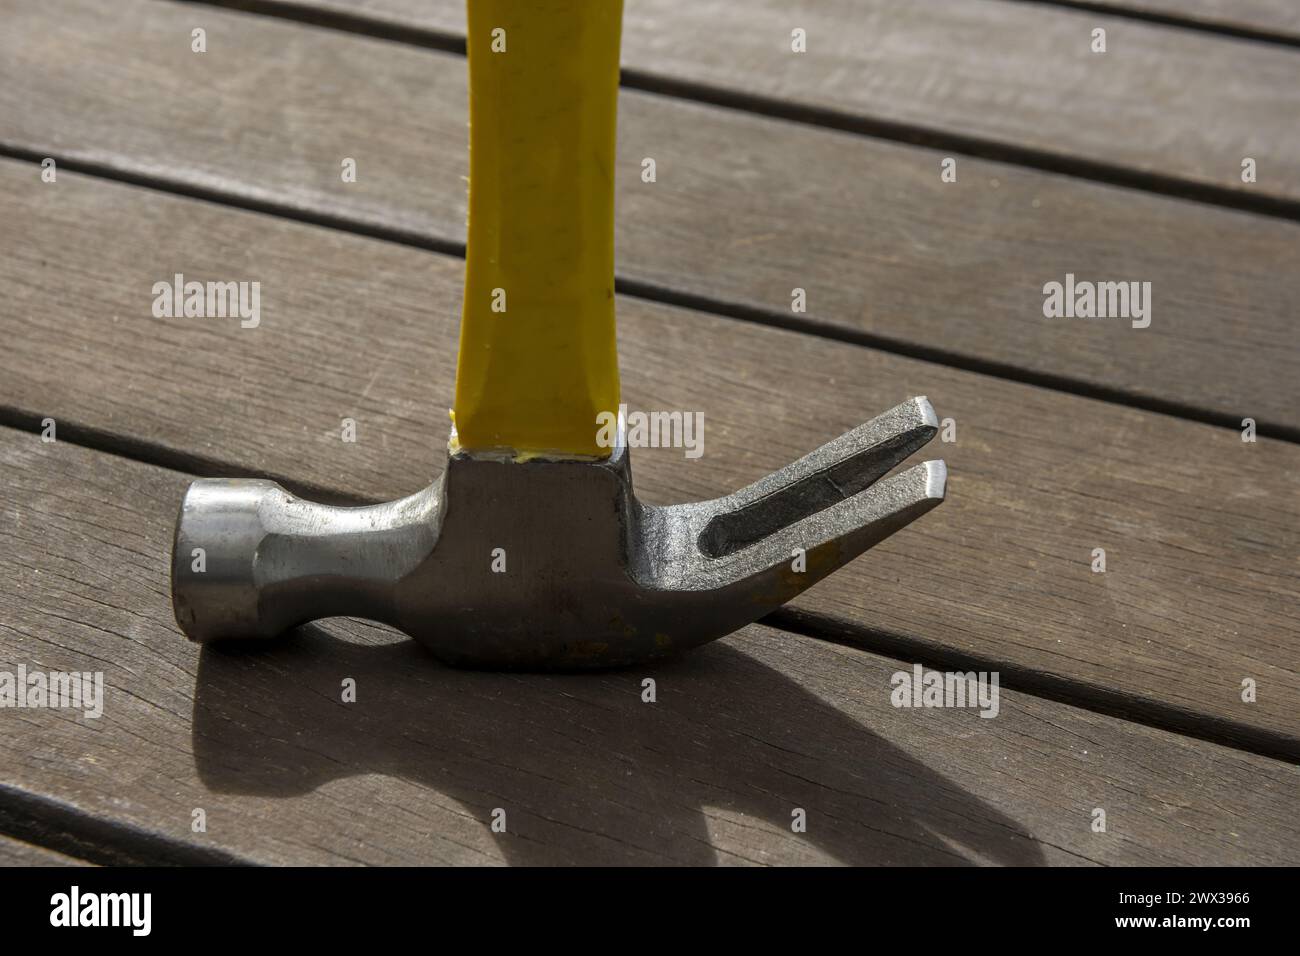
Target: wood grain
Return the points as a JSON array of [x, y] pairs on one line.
[[1199, 528], [745, 209], [17, 853], [1168, 102], [742, 733]]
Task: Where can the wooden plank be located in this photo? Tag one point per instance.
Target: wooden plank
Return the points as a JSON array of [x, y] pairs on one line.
[[742, 733], [17, 853], [1200, 528], [1016, 74], [1277, 18], [745, 209]]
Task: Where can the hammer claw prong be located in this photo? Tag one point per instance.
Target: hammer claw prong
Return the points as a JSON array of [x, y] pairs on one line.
[[850, 527], [836, 472]]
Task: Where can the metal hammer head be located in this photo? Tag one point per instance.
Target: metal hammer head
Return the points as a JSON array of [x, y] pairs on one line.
[[546, 563]]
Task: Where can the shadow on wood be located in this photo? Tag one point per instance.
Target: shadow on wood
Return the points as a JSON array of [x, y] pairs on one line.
[[586, 771]]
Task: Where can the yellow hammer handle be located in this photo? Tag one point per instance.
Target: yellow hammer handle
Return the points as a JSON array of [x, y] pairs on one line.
[[537, 359]]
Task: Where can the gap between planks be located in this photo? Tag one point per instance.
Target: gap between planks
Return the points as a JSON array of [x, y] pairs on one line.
[[70, 837], [1170, 13]]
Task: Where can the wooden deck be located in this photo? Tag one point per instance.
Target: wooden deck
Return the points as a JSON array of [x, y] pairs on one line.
[[1120, 690]]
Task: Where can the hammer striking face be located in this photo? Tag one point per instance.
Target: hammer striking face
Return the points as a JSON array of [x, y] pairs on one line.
[[531, 550]]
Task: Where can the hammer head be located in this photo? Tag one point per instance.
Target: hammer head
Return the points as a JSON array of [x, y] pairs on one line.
[[546, 563]]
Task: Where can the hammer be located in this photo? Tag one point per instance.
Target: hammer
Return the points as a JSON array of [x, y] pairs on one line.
[[531, 550]]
